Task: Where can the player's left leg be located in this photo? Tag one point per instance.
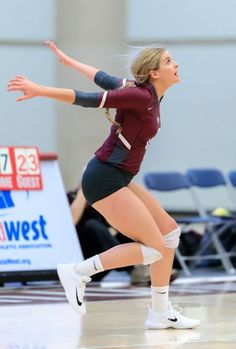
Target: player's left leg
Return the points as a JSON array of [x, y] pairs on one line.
[[162, 314]]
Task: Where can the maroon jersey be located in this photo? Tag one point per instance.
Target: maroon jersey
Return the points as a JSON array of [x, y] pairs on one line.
[[139, 116], [137, 111]]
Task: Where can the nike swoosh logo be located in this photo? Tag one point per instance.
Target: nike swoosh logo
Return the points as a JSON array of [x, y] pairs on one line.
[[77, 298], [161, 292], [150, 108], [94, 266], [173, 320]]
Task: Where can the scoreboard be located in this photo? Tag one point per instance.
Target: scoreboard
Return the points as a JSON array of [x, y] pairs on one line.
[[20, 168]]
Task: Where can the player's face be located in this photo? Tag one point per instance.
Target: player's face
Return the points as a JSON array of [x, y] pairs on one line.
[[168, 70]]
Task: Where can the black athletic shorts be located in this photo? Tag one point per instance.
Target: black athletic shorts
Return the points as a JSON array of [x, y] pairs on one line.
[[101, 179]]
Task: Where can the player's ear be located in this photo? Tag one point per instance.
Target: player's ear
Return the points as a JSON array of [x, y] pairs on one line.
[[154, 74]]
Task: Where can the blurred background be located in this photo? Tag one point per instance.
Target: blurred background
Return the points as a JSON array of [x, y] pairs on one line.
[[198, 115]]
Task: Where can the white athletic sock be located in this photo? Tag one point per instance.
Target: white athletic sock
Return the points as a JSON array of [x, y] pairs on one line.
[[90, 266], [160, 298]]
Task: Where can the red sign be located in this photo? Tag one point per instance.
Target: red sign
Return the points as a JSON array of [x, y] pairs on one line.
[[20, 168]]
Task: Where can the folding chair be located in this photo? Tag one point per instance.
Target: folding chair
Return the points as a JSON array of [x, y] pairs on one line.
[[232, 185], [173, 181], [232, 177], [207, 178]]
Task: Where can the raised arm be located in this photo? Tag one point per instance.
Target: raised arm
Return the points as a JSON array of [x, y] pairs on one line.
[[102, 79], [82, 68], [30, 89]]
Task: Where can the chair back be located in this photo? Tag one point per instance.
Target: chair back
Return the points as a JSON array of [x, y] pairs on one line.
[[205, 178], [171, 181], [232, 177], [166, 181], [231, 181]]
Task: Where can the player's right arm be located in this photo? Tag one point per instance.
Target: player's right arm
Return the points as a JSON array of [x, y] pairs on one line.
[[102, 79], [82, 68]]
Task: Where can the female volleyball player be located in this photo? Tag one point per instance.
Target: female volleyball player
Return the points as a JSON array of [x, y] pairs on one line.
[[107, 181]]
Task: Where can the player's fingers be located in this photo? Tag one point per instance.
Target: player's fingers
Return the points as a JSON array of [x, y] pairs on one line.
[[14, 83], [14, 88], [51, 45], [48, 43], [20, 77], [23, 98]]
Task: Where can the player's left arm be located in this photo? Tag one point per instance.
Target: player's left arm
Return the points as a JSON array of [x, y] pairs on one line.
[[127, 98], [30, 90]]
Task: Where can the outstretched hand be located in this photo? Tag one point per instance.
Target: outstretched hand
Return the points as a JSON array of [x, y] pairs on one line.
[[63, 58], [22, 84]]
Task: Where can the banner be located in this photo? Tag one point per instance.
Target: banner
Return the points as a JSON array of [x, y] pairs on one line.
[[36, 228]]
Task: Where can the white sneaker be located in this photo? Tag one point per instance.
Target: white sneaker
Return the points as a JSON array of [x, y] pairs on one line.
[[74, 286], [169, 318]]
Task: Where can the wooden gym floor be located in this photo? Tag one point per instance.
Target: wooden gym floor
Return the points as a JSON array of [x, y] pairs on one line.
[[38, 317]]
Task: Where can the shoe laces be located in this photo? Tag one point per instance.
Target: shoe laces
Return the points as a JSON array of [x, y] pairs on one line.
[[172, 309], [81, 285], [83, 280]]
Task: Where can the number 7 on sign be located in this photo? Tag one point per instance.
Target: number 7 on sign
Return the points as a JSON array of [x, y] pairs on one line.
[[5, 162]]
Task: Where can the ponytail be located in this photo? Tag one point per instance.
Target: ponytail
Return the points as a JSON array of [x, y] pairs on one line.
[[107, 110]]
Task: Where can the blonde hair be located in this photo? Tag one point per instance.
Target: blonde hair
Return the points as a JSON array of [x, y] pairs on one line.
[[107, 110], [114, 122], [147, 60]]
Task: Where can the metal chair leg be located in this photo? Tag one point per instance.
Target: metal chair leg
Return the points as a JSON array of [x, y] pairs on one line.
[[182, 263], [222, 254]]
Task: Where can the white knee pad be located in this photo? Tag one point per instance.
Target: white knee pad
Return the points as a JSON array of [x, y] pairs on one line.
[[172, 238], [150, 255]]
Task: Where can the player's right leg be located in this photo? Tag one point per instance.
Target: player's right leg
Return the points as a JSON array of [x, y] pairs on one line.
[[127, 213]]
